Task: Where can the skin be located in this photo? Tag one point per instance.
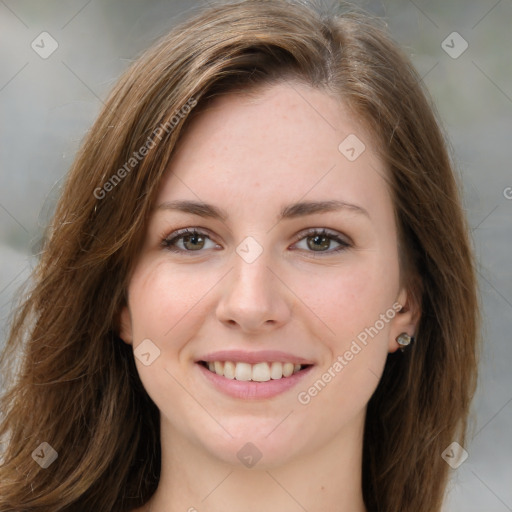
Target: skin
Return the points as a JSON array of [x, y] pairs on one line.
[[251, 155]]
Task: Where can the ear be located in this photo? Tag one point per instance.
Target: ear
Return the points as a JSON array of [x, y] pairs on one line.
[[406, 320], [125, 325]]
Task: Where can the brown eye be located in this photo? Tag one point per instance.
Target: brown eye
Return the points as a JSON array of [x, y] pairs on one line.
[[322, 241], [193, 242], [318, 242], [187, 241]]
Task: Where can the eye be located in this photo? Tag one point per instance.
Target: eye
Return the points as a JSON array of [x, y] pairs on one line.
[[316, 240], [321, 240], [187, 240]]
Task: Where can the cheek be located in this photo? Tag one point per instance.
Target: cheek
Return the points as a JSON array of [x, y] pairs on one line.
[[356, 303], [350, 297], [163, 301], [166, 308]]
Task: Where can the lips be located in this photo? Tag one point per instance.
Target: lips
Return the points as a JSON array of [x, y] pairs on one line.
[[253, 374]]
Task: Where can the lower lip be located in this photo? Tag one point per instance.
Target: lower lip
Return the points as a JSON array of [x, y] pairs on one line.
[[250, 390]]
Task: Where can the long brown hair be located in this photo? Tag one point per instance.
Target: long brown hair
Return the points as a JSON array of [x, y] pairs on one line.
[[73, 383]]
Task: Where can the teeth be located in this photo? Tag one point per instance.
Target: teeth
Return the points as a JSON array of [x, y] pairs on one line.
[[243, 371], [276, 370], [229, 370], [287, 369], [259, 372]]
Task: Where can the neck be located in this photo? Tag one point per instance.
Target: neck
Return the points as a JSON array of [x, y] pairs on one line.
[[326, 478]]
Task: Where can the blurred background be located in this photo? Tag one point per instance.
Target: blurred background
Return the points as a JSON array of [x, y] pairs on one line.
[[60, 58]]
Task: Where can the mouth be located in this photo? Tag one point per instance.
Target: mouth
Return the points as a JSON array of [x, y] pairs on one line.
[[259, 372], [253, 375]]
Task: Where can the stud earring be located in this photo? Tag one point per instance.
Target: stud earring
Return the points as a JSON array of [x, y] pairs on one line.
[[404, 340]]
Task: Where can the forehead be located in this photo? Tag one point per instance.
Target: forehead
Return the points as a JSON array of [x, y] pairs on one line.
[[287, 142]]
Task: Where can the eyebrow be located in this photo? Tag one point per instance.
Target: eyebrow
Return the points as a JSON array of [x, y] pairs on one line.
[[291, 211]]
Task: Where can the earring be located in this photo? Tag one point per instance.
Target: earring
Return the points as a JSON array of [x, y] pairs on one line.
[[403, 340]]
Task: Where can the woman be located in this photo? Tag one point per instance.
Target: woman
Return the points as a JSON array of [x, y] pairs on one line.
[[262, 215]]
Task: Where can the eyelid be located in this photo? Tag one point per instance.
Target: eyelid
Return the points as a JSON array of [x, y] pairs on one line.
[[343, 239], [186, 231]]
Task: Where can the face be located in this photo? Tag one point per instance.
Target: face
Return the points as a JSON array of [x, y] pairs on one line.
[[267, 315]]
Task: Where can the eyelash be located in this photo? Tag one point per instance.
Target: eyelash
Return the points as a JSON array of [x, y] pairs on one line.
[[169, 241]]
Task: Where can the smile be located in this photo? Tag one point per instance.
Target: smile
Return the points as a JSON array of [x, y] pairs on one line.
[[259, 372]]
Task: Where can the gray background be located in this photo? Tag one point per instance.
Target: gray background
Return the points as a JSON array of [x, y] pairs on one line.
[[46, 106]]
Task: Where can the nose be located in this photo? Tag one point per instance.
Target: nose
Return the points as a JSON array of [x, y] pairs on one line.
[[253, 298]]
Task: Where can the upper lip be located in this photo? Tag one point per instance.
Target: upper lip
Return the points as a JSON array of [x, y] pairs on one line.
[[242, 356]]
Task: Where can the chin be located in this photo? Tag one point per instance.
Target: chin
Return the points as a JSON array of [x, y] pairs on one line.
[[263, 444]]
